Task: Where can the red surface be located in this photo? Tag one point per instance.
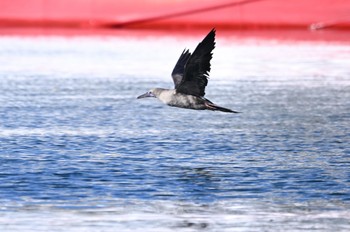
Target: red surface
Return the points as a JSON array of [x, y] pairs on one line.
[[295, 15]]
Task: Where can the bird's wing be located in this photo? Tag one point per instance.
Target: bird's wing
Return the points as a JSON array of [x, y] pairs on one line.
[[179, 68], [197, 68]]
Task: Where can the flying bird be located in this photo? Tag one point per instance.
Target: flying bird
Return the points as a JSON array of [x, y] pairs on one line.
[[190, 76]]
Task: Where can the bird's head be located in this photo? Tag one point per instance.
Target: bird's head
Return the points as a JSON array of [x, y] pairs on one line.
[[150, 93]]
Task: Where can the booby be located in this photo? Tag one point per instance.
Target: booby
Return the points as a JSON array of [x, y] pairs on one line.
[[190, 76]]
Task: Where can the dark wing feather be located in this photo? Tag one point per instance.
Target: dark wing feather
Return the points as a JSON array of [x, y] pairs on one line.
[[197, 68], [179, 68]]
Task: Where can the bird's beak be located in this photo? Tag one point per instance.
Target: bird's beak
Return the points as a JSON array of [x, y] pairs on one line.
[[148, 94]]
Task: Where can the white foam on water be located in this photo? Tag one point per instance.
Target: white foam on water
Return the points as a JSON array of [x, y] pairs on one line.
[[167, 216]]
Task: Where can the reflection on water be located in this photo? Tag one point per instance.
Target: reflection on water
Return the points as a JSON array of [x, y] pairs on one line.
[[78, 151]]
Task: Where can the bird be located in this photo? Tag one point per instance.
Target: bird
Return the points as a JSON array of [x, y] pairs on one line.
[[190, 76]]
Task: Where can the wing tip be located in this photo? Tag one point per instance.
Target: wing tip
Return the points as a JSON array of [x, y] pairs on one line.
[[212, 35], [213, 31]]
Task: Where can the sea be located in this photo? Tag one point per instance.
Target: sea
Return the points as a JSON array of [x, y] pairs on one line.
[[79, 152]]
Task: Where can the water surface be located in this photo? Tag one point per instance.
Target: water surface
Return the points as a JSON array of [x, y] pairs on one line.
[[78, 152]]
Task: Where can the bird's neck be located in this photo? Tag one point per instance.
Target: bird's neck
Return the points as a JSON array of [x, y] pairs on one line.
[[160, 91]]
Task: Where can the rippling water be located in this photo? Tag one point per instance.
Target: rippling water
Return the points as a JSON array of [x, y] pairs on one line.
[[78, 152]]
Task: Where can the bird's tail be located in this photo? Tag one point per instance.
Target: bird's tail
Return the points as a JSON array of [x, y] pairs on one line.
[[212, 106]]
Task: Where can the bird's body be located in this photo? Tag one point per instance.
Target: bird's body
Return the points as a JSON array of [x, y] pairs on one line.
[[172, 98], [190, 77]]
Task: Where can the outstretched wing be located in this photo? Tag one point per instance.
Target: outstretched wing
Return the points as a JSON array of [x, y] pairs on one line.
[[197, 68], [179, 68]]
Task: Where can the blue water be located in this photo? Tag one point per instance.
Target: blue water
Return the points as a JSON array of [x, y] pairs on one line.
[[80, 153]]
